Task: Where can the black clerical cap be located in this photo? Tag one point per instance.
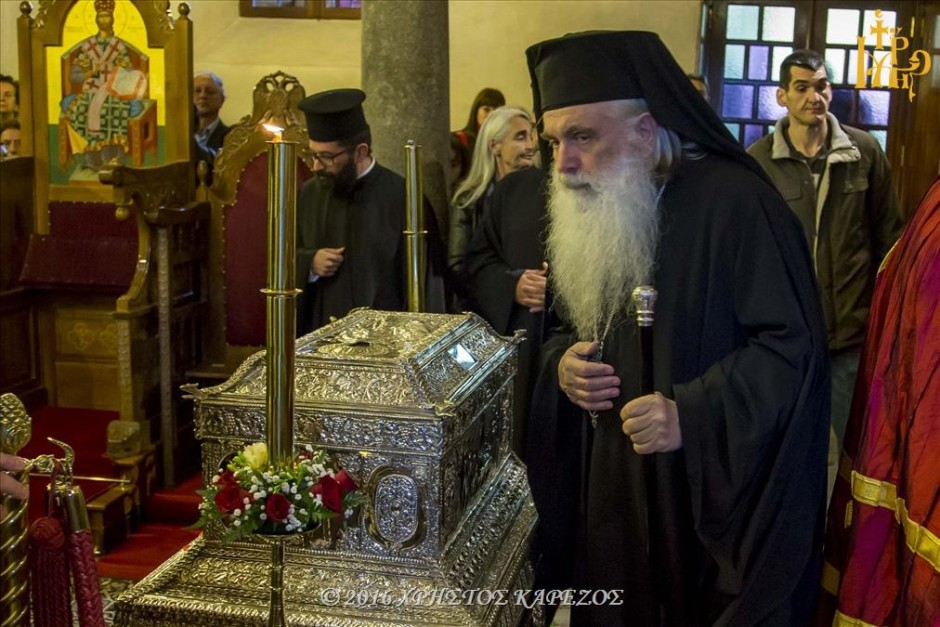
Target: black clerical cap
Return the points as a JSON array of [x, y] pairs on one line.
[[334, 115], [600, 66]]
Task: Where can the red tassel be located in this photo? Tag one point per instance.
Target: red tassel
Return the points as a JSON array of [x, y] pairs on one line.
[[85, 578], [49, 574]]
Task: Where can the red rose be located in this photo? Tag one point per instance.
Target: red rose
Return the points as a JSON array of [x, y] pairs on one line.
[[329, 489], [346, 482], [277, 507], [227, 478], [230, 498]]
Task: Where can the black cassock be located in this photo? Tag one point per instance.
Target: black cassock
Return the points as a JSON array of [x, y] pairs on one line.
[[740, 346], [369, 221], [510, 239]]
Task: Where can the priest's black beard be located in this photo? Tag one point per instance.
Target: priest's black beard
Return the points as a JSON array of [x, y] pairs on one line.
[[602, 242], [343, 180]]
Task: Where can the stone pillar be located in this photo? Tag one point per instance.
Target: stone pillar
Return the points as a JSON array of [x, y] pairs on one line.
[[406, 77]]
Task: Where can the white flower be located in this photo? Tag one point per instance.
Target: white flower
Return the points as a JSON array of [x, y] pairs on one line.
[[308, 448], [285, 488], [237, 523], [237, 512], [246, 500], [256, 455], [297, 497], [263, 516]]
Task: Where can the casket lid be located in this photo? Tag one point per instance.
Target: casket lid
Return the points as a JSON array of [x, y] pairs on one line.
[[374, 359]]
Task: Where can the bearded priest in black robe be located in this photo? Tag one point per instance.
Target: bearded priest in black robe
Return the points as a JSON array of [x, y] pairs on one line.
[[351, 219], [701, 503]]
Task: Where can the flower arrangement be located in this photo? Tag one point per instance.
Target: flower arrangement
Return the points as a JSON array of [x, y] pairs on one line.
[[250, 496]]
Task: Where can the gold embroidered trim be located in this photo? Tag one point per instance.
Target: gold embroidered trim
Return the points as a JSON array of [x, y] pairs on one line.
[[873, 492], [831, 577], [921, 541], [841, 620]]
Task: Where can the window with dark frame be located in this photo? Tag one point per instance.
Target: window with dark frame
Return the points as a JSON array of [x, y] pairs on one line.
[[315, 9], [747, 41]]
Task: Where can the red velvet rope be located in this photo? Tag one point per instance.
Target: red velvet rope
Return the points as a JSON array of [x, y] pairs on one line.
[[85, 578], [49, 574]]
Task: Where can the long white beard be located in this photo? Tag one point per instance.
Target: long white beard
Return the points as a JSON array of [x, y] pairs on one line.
[[602, 242]]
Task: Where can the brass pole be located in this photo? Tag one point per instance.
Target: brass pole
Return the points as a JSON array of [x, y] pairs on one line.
[[280, 294], [14, 551], [414, 227]]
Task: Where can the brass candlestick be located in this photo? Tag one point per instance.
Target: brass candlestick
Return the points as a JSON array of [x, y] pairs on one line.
[[414, 227], [281, 329]]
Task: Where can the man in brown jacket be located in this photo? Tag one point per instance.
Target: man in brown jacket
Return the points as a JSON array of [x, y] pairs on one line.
[[837, 181]]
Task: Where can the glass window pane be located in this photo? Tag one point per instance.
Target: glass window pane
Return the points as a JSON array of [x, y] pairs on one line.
[[882, 137], [852, 70], [873, 106], [843, 105], [842, 26], [734, 129], [742, 21], [780, 53], [836, 59], [734, 61], [737, 101], [778, 24], [752, 132], [757, 63], [767, 107], [887, 21]]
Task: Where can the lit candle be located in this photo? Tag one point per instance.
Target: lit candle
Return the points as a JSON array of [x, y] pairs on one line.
[[277, 130]]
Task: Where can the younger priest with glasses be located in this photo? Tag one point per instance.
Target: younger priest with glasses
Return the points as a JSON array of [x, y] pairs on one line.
[[351, 219]]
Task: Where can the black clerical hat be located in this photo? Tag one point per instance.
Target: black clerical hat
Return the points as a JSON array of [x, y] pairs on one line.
[[334, 115], [600, 66]]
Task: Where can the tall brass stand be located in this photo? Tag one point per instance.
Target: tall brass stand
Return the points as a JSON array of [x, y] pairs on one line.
[[281, 328], [414, 227]]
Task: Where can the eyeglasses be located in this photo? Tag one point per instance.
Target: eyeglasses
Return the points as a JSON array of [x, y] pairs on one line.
[[326, 159]]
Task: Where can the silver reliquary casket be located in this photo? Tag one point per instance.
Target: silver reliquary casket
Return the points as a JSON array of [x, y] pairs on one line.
[[417, 407]]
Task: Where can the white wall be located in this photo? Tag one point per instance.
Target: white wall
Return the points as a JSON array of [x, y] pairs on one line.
[[488, 39]]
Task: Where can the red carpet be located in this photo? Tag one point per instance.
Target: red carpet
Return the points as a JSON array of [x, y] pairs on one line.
[[178, 506], [167, 514], [144, 550]]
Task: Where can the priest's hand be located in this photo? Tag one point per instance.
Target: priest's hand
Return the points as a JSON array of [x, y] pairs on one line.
[[588, 384], [652, 423], [326, 261], [8, 485], [530, 289]]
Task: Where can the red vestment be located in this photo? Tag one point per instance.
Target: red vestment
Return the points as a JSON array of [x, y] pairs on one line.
[[883, 534]]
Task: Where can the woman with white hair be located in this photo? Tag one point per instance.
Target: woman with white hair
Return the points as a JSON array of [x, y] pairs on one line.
[[506, 142]]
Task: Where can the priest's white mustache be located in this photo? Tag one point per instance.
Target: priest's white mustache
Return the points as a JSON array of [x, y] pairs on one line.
[[602, 241]]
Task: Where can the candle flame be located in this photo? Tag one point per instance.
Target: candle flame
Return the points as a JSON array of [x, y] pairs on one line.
[[277, 130]]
